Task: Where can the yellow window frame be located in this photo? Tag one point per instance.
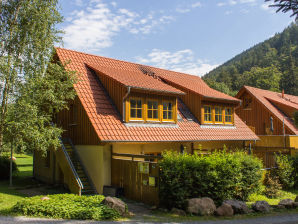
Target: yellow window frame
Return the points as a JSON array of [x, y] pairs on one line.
[[147, 110], [229, 115], [218, 114], [207, 122], [162, 110], [137, 108]]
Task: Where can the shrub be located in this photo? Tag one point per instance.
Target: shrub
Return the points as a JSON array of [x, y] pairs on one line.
[[272, 186], [284, 171], [5, 167], [67, 206], [295, 170], [220, 176]]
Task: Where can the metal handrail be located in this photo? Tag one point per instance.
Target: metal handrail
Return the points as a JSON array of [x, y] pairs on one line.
[[82, 164], [71, 165]]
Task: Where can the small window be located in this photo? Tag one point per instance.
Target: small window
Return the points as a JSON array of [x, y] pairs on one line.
[[218, 115], [207, 114], [167, 111], [136, 109], [152, 110], [228, 115]]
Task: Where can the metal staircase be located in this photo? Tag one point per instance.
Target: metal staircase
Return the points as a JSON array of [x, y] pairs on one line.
[[88, 187]]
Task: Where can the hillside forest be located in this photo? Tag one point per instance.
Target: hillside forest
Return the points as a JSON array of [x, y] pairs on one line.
[[271, 65]]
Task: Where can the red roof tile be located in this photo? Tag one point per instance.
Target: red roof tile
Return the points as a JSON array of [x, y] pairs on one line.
[[107, 122], [267, 97]]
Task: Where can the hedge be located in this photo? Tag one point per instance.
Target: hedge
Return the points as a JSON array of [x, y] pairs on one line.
[[66, 206], [5, 167], [220, 176]]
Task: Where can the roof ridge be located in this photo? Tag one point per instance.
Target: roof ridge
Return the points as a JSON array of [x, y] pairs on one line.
[[134, 63]]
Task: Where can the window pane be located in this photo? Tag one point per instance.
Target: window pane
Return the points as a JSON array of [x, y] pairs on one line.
[[155, 114], [150, 104], [155, 105], [149, 113], [133, 103], [139, 103], [165, 106], [139, 113], [169, 106], [133, 113], [228, 119], [207, 110], [165, 115], [170, 115]]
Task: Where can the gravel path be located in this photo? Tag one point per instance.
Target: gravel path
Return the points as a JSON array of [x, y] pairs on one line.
[[280, 219]]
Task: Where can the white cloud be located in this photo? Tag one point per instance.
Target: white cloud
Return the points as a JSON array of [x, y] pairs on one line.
[[229, 12], [188, 8], [180, 61], [266, 7], [234, 2], [94, 27], [220, 4]]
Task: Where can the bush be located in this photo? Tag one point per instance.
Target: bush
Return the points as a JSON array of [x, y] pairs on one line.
[[66, 206], [219, 176], [5, 167], [272, 186], [284, 171], [295, 170]]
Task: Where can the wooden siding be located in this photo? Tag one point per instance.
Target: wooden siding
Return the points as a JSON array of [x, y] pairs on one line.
[[125, 174], [258, 117], [115, 90], [77, 125]]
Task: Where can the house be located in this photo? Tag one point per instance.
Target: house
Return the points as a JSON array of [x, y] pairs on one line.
[[270, 115], [129, 108]]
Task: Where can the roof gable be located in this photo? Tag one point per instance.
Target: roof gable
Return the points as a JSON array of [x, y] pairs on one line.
[[269, 99]]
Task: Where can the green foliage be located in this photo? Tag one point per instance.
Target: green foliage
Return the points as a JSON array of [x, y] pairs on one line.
[[295, 170], [296, 118], [5, 167], [32, 88], [284, 171], [220, 176], [272, 64], [220, 86], [66, 206], [272, 186]]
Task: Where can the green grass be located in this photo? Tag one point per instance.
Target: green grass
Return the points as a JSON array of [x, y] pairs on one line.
[[9, 196], [273, 201]]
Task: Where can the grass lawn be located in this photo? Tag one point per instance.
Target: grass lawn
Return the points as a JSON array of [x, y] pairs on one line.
[[9, 196]]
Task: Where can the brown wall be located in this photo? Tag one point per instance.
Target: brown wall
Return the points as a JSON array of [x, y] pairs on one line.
[[77, 125], [115, 90], [258, 117]]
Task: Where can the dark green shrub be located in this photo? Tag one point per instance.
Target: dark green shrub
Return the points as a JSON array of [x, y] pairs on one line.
[[295, 170], [5, 167], [284, 171], [67, 206], [272, 186], [220, 176]]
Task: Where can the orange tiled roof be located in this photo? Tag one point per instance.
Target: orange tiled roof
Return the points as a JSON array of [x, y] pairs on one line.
[[107, 122], [267, 97]]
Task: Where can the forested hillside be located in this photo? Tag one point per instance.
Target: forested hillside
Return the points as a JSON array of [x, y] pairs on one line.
[[272, 65]]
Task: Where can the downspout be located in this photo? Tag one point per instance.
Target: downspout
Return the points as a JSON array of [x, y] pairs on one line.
[[123, 102]]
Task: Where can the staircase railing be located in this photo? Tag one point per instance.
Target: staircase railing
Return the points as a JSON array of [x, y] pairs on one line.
[[82, 164], [74, 172]]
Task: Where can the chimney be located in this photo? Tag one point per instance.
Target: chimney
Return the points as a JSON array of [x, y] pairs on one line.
[[283, 94]]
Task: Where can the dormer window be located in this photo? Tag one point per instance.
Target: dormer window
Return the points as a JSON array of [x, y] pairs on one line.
[[228, 115], [207, 114], [167, 111], [136, 109], [151, 109], [217, 115]]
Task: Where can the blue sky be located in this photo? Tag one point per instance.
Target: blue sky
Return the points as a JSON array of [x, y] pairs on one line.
[[189, 36]]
